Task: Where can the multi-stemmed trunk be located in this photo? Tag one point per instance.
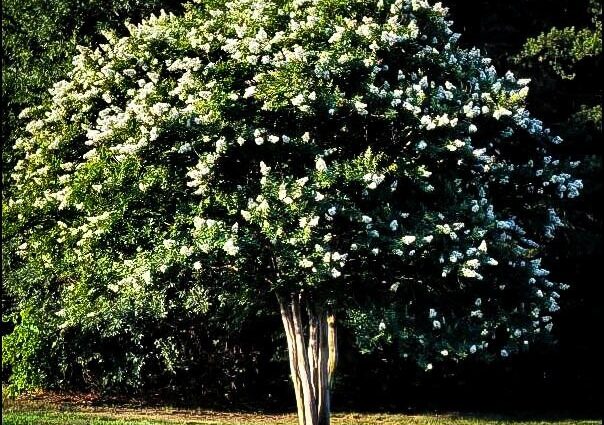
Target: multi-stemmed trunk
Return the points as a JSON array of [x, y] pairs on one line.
[[312, 356]]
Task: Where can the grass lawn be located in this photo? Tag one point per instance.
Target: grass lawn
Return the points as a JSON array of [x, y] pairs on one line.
[[142, 418], [56, 412]]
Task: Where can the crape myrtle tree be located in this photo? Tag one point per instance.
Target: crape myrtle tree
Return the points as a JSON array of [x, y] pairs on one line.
[[339, 156]]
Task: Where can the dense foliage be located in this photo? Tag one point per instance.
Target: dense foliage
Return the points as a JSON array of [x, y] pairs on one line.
[[211, 360], [365, 159], [39, 39]]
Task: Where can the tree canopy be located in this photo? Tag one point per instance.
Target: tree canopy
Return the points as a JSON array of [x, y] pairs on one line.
[[342, 154]]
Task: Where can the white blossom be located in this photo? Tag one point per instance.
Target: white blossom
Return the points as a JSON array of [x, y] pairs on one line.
[[230, 248], [264, 170], [297, 100], [320, 164], [185, 250], [483, 246], [360, 107], [408, 240], [306, 263], [249, 92]]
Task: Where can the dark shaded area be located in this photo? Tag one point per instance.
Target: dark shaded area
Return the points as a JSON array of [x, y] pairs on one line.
[[531, 384]]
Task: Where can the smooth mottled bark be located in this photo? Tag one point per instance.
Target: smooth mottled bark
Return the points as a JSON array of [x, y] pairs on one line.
[[312, 357], [288, 325]]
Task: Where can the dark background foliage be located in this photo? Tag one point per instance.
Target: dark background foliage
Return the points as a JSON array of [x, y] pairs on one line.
[[237, 357]]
